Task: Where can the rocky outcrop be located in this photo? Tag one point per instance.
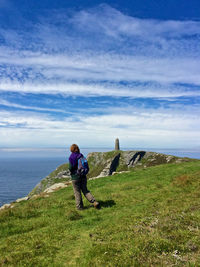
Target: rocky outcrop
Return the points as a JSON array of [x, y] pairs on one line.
[[104, 164], [6, 206], [55, 187], [11, 205], [60, 175], [101, 164], [22, 199], [111, 166]]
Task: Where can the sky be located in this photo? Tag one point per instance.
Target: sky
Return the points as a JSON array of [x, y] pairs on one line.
[[88, 72]]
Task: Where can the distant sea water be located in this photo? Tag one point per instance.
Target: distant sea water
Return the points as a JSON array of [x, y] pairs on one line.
[[21, 170]]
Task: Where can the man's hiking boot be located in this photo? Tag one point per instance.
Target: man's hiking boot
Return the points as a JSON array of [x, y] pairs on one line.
[[96, 205], [80, 208]]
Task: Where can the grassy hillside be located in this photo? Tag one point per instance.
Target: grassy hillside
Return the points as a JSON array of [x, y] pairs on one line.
[[149, 217], [98, 160], [51, 179], [105, 163]]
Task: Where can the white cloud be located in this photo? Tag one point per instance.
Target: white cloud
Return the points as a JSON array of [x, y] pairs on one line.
[[152, 129], [35, 108], [88, 54], [87, 90], [114, 23], [61, 68], [168, 57]]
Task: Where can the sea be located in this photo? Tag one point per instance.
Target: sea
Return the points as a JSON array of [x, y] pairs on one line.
[[22, 169]]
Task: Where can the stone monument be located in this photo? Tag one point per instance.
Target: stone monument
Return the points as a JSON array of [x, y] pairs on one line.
[[116, 144]]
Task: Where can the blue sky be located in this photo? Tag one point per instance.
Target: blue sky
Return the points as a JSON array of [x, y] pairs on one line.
[[90, 71]]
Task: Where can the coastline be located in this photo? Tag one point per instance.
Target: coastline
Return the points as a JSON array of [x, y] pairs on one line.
[[56, 164]]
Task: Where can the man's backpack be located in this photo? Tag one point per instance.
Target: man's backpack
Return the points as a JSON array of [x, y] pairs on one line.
[[83, 167]]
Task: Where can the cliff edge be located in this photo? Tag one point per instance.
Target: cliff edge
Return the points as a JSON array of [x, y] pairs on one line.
[[104, 164]]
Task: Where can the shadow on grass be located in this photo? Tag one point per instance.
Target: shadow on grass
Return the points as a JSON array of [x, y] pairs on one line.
[[107, 203], [102, 204], [73, 215]]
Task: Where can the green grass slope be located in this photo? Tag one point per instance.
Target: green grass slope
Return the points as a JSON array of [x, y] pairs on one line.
[[99, 161], [51, 179], [149, 217]]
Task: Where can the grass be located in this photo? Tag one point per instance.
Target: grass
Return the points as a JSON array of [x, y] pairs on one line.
[[149, 217], [98, 161], [51, 179], [61, 168]]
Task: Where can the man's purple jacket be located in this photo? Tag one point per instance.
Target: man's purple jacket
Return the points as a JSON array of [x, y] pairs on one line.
[[73, 164]]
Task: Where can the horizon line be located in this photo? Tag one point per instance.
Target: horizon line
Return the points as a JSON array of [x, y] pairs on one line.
[[92, 147]]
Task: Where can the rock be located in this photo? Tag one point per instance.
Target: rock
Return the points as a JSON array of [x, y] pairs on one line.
[[106, 170], [111, 166], [179, 161], [120, 172], [22, 199], [34, 196], [6, 206], [103, 164], [63, 174], [94, 178], [55, 187], [169, 158]]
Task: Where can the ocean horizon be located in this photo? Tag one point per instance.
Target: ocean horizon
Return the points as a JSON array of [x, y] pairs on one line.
[[21, 169]]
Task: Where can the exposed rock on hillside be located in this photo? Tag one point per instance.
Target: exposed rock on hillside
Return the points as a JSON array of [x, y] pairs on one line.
[[61, 174], [106, 163], [55, 187]]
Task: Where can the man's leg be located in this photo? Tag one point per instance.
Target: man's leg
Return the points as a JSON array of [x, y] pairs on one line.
[[85, 191], [77, 193]]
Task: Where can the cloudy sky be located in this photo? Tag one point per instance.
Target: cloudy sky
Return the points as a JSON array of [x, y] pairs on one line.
[[90, 71]]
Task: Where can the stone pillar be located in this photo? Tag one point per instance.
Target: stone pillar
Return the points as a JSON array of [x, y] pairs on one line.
[[117, 144]]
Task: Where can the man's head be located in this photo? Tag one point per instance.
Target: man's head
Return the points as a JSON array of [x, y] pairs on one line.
[[74, 148]]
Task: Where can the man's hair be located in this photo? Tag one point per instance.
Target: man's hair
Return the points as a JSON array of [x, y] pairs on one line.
[[74, 148]]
